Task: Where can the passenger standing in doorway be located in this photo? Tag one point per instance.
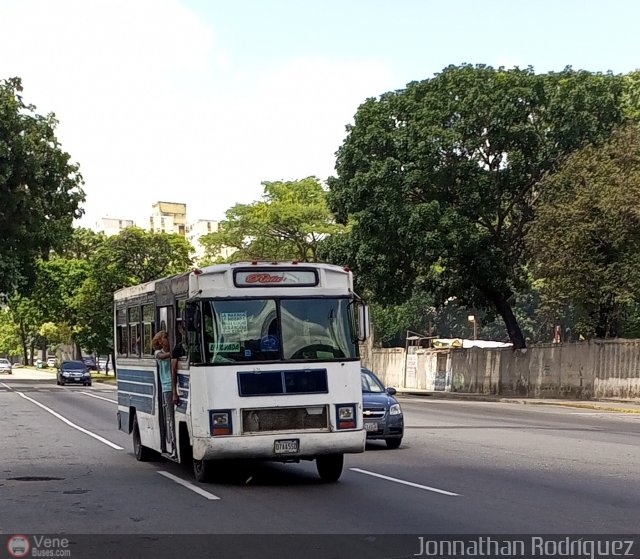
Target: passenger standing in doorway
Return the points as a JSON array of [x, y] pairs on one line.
[[169, 390]]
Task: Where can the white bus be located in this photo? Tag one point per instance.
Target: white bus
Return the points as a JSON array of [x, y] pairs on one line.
[[272, 370]]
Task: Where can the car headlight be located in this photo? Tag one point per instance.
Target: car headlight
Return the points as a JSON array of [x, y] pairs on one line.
[[395, 409], [87, 374]]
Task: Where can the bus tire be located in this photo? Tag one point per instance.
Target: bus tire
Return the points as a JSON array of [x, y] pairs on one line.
[[142, 453], [330, 467], [202, 470]]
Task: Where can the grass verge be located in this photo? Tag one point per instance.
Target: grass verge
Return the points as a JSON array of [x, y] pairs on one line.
[[106, 379]]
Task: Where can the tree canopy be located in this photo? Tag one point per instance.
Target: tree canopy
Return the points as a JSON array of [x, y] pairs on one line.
[[289, 223], [40, 189], [441, 178], [586, 235], [132, 257]]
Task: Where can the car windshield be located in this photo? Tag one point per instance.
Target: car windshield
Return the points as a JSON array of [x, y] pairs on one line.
[[73, 365], [371, 384], [253, 330], [4, 361]]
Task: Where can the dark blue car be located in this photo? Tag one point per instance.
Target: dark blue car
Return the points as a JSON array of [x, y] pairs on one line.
[[382, 413], [74, 372]]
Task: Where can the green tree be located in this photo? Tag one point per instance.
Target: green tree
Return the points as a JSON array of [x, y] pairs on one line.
[[289, 223], [632, 95], [40, 190], [9, 334], [441, 178], [586, 235], [132, 257], [82, 245], [26, 315]]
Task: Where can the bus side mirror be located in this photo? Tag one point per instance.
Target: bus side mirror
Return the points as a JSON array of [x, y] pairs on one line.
[[192, 318], [364, 328]]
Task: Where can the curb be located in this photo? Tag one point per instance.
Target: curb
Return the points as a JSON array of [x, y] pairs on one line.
[[578, 405], [482, 398]]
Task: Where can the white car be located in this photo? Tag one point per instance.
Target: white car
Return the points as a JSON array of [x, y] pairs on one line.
[[51, 362], [5, 366]]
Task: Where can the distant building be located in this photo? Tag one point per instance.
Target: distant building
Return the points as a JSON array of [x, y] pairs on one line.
[[113, 225], [168, 217], [199, 228]]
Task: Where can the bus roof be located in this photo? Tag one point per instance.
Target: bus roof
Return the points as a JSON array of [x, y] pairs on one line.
[[254, 278]]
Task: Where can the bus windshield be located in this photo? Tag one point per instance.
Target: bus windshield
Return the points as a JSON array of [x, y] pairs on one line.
[[257, 330]]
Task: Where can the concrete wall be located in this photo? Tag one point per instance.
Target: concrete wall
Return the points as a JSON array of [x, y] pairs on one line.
[[597, 369]]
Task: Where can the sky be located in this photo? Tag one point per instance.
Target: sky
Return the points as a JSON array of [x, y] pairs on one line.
[[200, 101]]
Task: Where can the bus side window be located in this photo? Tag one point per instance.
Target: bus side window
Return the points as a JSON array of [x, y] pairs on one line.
[[135, 331], [149, 328], [122, 330]]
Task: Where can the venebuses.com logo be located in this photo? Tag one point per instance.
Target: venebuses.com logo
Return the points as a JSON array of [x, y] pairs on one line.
[[38, 546], [18, 546]]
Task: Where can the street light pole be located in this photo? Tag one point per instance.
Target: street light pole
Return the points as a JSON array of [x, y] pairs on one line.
[[472, 318]]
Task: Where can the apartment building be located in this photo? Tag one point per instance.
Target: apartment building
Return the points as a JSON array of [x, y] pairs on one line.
[[113, 225], [197, 229], [168, 217]]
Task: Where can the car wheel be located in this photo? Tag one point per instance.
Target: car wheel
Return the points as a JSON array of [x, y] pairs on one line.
[[330, 467], [88, 384], [393, 443], [202, 470], [142, 453], [61, 383], [58, 382]]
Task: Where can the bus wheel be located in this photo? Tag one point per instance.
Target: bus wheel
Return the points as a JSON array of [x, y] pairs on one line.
[[330, 467], [202, 470], [142, 453]]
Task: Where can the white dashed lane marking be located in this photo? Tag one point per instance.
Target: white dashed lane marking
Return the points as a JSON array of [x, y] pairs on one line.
[[403, 482], [190, 486]]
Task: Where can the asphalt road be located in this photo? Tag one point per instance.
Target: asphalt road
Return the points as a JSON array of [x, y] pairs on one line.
[[463, 467]]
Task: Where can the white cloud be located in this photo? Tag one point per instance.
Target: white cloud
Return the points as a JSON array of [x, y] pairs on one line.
[[153, 108]]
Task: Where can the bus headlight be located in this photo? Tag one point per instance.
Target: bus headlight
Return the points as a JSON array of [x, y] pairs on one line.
[[346, 416], [395, 409], [220, 421]]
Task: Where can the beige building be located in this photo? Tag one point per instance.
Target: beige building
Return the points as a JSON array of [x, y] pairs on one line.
[[113, 225], [168, 217]]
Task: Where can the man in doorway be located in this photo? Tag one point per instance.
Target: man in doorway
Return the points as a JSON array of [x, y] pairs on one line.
[[169, 389]]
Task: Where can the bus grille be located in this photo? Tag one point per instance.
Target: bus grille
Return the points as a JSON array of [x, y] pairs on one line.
[[284, 419]]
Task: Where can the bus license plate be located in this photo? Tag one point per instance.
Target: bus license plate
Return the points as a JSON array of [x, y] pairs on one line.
[[286, 446], [370, 426]]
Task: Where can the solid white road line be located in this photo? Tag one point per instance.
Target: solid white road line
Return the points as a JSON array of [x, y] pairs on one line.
[[190, 486], [403, 482], [70, 423], [99, 397]]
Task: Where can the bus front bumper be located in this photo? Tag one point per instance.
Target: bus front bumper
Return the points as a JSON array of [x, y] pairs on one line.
[[279, 446]]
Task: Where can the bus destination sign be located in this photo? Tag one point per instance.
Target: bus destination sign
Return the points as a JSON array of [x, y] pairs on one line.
[[276, 278]]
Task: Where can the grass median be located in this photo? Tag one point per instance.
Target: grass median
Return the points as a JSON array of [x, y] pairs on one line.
[[106, 379]]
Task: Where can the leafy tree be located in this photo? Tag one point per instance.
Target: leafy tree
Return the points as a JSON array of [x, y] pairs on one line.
[[132, 257], [586, 235], [441, 178], [9, 334], [82, 245], [27, 317], [632, 95], [289, 223], [40, 190]]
